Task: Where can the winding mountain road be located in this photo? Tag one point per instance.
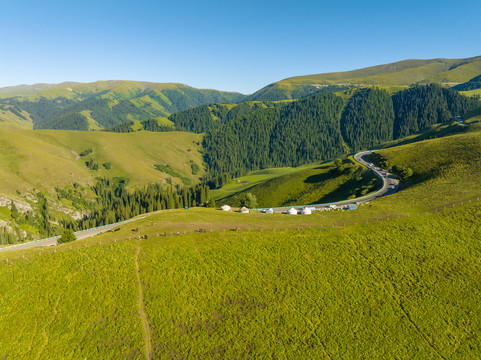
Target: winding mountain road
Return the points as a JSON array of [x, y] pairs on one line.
[[389, 186]]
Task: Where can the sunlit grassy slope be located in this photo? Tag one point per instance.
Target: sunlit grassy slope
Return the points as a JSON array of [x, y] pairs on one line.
[[402, 73], [396, 278], [309, 184], [393, 75], [100, 104], [45, 159]]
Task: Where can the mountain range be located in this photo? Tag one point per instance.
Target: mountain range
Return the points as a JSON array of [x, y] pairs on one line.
[[105, 104], [99, 105]]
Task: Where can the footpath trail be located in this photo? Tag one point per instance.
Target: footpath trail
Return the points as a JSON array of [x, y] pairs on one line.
[[142, 314]]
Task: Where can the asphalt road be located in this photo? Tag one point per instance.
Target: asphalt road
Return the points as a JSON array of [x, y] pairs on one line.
[[389, 186], [53, 241]]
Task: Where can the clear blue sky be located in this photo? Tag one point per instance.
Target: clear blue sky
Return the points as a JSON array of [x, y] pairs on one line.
[[221, 44]]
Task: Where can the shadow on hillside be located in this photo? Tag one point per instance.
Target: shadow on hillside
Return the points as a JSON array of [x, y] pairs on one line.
[[314, 179]]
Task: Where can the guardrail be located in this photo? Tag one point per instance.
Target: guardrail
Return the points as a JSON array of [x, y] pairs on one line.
[[77, 232], [349, 201]]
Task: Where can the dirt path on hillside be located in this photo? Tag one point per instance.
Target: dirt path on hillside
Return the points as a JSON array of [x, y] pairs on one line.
[[143, 316]]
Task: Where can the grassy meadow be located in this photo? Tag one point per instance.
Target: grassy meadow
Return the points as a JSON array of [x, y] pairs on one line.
[[398, 278], [45, 159], [308, 184], [388, 288]]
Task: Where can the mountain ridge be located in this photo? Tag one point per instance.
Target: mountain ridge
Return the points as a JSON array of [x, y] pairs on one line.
[[101, 104], [402, 73]]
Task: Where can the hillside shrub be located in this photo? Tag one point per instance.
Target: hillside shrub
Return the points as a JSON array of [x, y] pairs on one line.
[[67, 236]]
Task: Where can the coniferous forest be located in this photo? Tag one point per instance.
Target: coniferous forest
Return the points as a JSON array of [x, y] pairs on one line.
[[115, 203], [256, 135], [368, 119], [319, 127]]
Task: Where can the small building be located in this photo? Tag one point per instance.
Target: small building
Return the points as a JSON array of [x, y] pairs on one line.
[[244, 210], [291, 211], [351, 207], [226, 208], [270, 211], [306, 211]]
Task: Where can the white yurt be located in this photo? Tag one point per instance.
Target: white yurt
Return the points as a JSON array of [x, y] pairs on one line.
[[225, 208], [270, 211], [244, 210], [291, 211], [306, 211]]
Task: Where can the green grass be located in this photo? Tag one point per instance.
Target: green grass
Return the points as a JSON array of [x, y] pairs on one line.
[[408, 288], [396, 278], [405, 72], [45, 159], [432, 132], [71, 306], [309, 184], [471, 92], [4, 213], [164, 121], [9, 120], [393, 77], [253, 178]]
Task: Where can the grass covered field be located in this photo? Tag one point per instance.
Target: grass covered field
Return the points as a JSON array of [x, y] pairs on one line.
[[386, 289], [397, 278], [308, 184], [44, 159]]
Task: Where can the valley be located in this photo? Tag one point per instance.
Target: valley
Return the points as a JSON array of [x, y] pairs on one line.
[[164, 273]]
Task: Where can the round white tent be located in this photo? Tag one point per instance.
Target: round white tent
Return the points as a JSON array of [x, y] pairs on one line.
[[225, 208], [244, 210], [306, 211], [291, 211]]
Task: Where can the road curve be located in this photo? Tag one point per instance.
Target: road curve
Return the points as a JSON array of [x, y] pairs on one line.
[[389, 186]]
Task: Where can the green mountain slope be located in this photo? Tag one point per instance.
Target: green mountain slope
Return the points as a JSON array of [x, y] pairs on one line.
[[47, 159], [50, 174], [309, 184], [312, 286], [324, 126], [103, 104], [473, 84], [402, 73]]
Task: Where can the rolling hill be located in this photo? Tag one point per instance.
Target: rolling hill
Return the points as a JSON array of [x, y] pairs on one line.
[[473, 84], [99, 105], [396, 278], [396, 75], [62, 166]]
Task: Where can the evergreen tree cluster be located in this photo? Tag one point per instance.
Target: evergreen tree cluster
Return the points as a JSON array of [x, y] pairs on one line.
[[303, 131], [115, 203], [148, 125], [318, 127], [422, 106], [200, 119], [125, 127], [154, 126], [368, 119], [473, 84], [209, 117]]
